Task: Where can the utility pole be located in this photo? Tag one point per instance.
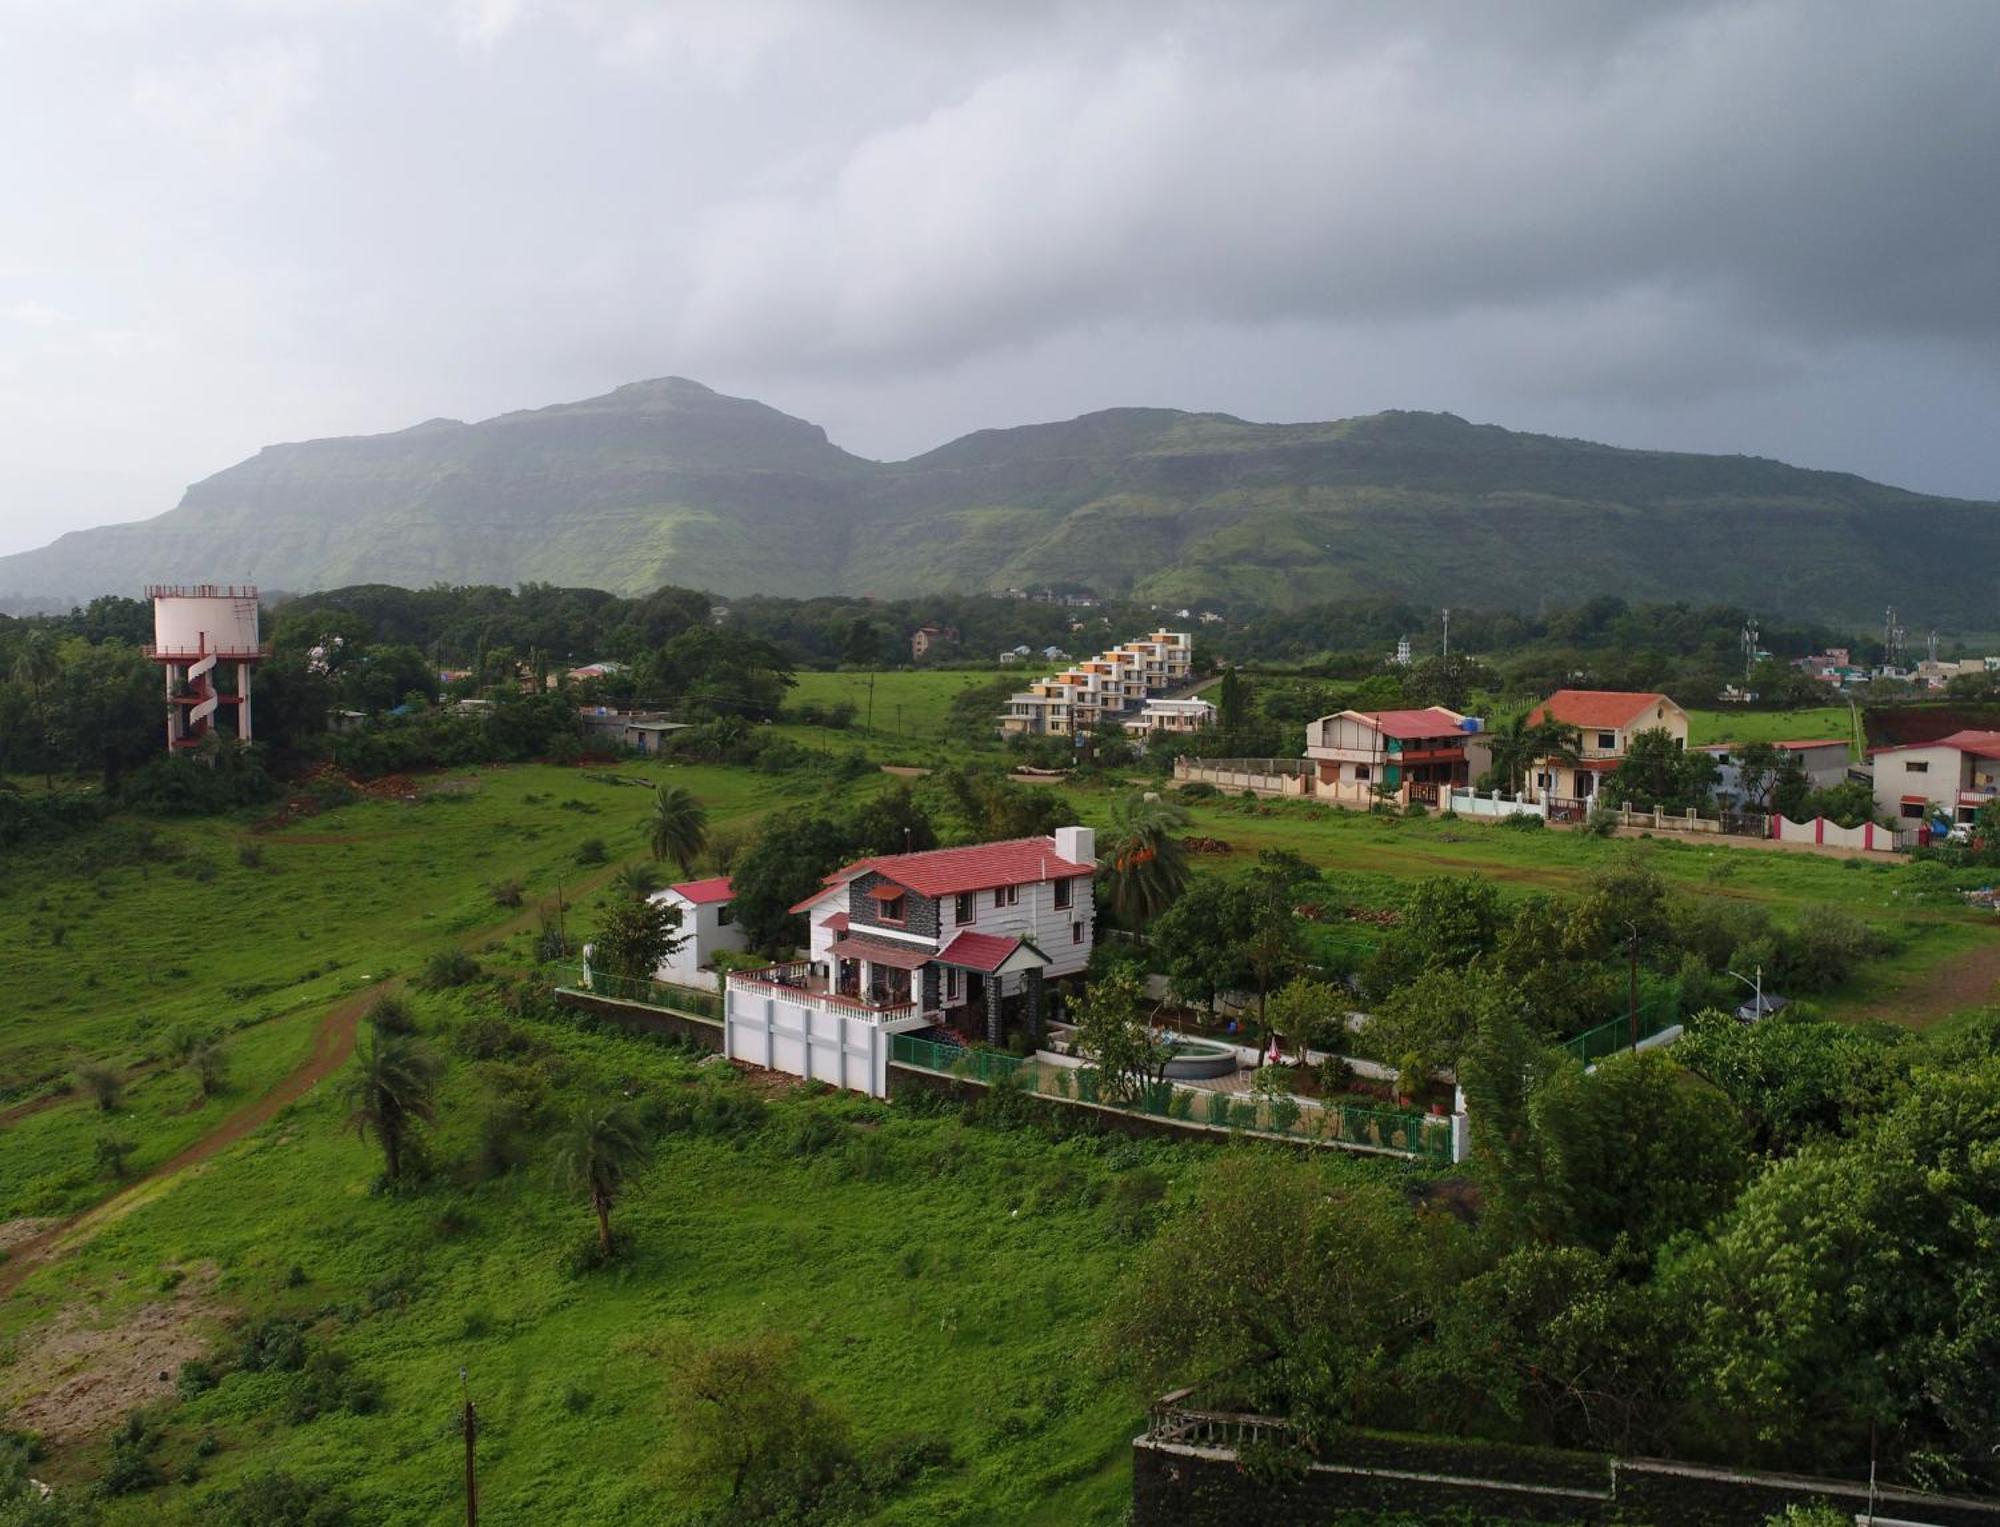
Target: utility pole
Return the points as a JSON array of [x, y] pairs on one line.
[[1632, 983], [870, 724], [1447, 631], [471, 1428]]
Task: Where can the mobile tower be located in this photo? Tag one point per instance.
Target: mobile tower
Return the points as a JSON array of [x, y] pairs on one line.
[[195, 628]]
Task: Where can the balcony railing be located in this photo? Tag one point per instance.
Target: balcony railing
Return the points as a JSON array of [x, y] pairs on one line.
[[799, 982]]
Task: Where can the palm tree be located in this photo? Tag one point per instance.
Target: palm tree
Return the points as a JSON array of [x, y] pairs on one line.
[[637, 880], [1518, 746], [37, 667], [679, 826], [1143, 865], [597, 1153], [393, 1090]]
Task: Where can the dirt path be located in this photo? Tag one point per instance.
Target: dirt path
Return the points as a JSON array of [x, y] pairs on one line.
[[332, 1045]]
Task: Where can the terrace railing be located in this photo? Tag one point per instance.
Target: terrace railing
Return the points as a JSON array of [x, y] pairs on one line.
[[800, 983], [955, 1060]]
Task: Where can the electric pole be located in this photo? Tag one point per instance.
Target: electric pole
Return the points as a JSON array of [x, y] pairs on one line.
[[471, 1428], [1632, 983]]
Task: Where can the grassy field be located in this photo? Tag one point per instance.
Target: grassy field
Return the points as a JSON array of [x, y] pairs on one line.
[[1808, 723], [908, 704]]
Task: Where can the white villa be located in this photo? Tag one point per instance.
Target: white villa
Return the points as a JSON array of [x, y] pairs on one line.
[[708, 928], [954, 938]]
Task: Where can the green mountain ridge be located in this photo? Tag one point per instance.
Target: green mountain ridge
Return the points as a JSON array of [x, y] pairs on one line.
[[667, 481]]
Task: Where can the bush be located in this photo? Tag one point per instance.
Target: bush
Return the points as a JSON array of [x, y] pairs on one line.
[[112, 1155], [447, 968], [102, 1083], [506, 893], [744, 1415], [390, 1017], [592, 851], [1522, 821], [131, 1467], [274, 1344], [814, 1133], [1135, 1202], [278, 1499], [1198, 790], [327, 1383], [250, 855], [196, 1377]]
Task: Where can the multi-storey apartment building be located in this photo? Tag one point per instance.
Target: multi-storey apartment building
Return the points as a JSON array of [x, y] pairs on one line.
[[1111, 685]]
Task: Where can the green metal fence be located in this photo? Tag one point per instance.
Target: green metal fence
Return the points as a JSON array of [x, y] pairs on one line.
[[1659, 1010], [955, 1060], [688, 1000]]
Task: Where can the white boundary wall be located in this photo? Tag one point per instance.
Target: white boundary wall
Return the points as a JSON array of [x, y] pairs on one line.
[[1868, 836], [799, 1036], [1470, 803]]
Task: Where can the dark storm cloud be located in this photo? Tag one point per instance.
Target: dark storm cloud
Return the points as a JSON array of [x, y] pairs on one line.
[[1742, 226]]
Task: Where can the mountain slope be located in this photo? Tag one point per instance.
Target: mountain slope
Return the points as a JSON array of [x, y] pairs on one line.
[[667, 481]]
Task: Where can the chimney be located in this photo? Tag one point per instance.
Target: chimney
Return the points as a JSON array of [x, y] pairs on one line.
[[1077, 844]]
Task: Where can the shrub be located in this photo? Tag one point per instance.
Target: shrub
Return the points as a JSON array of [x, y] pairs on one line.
[[447, 968], [196, 1377], [1135, 1201], [1198, 790], [506, 893], [102, 1083], [250, 855], [390, 1017], [743, 1414], [1522, 821], [328, 1382], [131, 1467], [274, 1344], [592, 851], [814, 1133], [112, 1155], [278, 1499]]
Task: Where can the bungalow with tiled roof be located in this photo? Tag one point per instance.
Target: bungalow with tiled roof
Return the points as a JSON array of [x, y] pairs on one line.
[[1606, 721], [708, 928], [1359, 757], [964, 939]]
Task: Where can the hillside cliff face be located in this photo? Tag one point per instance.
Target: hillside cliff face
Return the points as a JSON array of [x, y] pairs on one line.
[[669, 482]]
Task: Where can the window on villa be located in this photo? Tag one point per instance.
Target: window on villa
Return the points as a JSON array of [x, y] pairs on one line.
[[1607, 739], [726, 914], [892, 909], [1076, 933], [1916, 766], [1006, 895], [1062, 894], [1913, 811], [950, 984], [1361, 772], [961, 907]]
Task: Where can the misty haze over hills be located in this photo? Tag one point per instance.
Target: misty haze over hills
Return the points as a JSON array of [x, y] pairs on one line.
[[667, 481]]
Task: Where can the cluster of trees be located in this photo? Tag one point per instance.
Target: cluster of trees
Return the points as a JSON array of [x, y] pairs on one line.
[[1702, 1252]]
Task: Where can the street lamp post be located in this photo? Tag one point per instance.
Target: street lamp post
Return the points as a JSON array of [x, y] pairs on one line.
[[1757, 989]]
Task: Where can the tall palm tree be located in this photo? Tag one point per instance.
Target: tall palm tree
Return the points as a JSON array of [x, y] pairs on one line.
[[393, 1090], [599, 1150], [1144, 866], [679, 826], [36, 667], [637, 880]]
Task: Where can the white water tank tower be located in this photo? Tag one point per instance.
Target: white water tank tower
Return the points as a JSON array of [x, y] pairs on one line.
[[205, 638]]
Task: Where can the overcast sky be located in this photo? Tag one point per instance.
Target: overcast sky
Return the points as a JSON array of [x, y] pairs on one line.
[[1762, 227]]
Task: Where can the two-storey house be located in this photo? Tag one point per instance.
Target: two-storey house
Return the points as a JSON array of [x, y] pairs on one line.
[[1358, 757], [965, 939], [1606, 721], [1951, 777], [708, 928]]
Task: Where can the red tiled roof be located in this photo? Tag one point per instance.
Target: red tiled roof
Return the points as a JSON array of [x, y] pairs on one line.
[[946, 871], [979, 951], [702, 892], [1979, 744], [832, 883], [1916, 800], [1432, 721], [1594, 707], [881, 951], [837, 922]]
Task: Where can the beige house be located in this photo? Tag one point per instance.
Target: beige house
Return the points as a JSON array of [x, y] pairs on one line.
[[1357, 757], [1606, 720], [1952, 777], [1174, 717]]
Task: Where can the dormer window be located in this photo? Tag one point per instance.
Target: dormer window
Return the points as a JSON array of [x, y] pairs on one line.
[[890, 908]]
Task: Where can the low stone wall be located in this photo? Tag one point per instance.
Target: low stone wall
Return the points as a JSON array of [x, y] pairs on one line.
[[643, 1018], [1181, 1485]]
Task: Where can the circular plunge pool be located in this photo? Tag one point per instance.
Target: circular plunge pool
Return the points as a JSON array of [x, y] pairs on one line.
[[1201, 1058]]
